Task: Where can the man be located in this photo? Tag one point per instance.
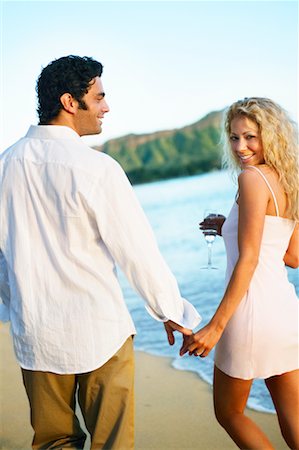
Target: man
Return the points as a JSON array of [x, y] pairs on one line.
[[68, 215]]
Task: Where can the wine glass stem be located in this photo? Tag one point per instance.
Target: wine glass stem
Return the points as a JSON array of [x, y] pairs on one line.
[[209, 255]]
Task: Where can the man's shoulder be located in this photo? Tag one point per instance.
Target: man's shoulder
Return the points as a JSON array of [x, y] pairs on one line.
[[60, 151], [94, 161], [8, 153]]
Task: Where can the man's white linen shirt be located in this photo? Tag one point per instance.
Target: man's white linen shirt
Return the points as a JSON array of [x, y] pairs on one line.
[[68, 215]]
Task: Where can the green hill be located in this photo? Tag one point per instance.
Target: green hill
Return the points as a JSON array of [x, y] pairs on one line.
[[166, 154]]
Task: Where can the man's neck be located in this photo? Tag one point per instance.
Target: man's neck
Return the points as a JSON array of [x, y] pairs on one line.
[[63, 121]]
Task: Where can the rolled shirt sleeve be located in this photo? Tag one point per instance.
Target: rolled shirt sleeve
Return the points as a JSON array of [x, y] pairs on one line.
[[129, 238], [4, 290]]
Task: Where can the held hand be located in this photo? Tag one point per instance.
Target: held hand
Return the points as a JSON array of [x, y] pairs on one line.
[[202, 342], [170, 327], [213, 221]]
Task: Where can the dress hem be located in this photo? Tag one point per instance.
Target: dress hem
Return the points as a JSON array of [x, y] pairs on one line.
[[255, 377]]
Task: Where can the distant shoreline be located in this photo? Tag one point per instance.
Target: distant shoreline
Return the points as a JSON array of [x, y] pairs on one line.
[[190, 150]]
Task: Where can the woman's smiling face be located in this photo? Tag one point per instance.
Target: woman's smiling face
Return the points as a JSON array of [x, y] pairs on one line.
[[246, 142]]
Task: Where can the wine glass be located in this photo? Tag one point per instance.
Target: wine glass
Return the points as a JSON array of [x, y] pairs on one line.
[[209, 235]]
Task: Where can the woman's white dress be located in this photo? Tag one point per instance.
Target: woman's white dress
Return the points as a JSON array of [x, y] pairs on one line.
[[261, 338]]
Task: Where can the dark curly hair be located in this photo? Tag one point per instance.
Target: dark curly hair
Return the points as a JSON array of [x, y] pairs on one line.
[[70, 74]]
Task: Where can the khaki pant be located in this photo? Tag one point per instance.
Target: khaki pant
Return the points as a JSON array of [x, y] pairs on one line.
[[106, 399]]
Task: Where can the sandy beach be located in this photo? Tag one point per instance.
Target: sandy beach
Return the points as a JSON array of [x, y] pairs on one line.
[[173, 408]]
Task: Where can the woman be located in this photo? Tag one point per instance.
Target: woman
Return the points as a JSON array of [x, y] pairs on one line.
[[256, 323]]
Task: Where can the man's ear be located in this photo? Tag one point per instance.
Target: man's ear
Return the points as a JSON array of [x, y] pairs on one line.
[[69, 103]]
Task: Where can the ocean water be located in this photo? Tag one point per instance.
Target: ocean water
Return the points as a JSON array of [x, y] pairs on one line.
[[174, 209]]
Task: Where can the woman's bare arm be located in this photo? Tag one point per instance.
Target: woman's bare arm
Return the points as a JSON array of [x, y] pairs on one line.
[[253, 201], [291, 258]]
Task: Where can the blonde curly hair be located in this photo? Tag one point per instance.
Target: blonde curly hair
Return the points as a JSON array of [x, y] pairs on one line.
[[280, 143]]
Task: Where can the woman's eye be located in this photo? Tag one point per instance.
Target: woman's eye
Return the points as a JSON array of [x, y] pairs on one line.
[[233, 138], [250, 136]]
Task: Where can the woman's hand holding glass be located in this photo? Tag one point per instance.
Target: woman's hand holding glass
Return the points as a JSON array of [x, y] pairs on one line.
[[213, 221], [211, 226]]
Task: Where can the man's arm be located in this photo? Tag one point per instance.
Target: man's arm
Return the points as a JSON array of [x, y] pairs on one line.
[[4, 290], [129, 238]]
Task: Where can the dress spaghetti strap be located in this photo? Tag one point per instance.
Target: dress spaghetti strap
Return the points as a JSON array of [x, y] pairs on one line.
[[268, 184]]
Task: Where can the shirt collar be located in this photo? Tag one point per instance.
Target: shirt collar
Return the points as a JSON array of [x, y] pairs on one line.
[[51, 132]]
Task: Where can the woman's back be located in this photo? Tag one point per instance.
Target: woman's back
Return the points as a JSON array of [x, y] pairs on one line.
[[250, 343]]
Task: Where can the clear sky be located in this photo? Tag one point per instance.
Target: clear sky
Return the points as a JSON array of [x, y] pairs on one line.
[[166, 63]]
